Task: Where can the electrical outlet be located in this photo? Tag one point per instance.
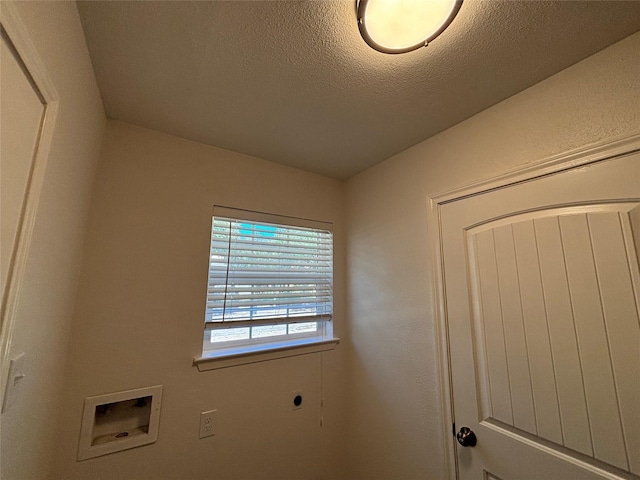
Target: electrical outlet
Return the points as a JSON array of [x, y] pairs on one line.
[[207, 423]]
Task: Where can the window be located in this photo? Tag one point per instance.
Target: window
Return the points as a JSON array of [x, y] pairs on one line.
[[270, 283]]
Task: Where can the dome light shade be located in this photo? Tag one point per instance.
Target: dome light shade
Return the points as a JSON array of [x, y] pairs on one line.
[[399, 26]]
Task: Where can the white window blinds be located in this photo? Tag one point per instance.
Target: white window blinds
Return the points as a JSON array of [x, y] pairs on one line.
[[265, 272]]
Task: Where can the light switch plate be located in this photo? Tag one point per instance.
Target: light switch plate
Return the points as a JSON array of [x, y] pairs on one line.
[[14, 381]]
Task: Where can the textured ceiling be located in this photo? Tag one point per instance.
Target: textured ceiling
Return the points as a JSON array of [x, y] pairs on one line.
[[294, 83]]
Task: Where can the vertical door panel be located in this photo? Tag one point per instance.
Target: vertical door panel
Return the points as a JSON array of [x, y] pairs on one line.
[[524, 416], [568, 370], [593, 342], [614, 272], [541, 364], [494, 342]]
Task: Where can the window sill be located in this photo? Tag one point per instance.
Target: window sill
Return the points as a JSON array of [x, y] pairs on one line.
[[213, 361]]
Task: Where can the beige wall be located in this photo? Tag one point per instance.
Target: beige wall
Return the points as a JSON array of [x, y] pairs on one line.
[[43, 315], [139, 318], [394, 420]]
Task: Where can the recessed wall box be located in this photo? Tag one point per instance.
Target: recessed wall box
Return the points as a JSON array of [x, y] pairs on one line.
[[119, 421]]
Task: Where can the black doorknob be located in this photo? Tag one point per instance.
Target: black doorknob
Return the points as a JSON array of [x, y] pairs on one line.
[[466, 437]]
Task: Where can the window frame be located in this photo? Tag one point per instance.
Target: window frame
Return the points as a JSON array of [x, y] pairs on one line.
[[241, 351]]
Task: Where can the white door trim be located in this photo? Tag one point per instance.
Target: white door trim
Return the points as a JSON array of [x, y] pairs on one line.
[[553, 164], [19, 36]]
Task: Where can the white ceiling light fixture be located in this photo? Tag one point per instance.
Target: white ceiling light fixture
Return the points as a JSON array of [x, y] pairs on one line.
[[399, 26]]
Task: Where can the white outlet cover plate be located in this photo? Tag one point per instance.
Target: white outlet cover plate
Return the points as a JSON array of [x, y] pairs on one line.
[[208, 422]]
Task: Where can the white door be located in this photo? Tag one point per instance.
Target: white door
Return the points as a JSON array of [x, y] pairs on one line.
[[21, 117], [541, 283]]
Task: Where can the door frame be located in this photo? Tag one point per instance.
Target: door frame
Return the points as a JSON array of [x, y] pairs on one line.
[[19, 37], [547, 166]]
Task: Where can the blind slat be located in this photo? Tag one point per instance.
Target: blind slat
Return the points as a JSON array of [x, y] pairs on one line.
[[265, 321], [269, 299], [239, 305], [266, 277], [222, 246], [215, 297], [240, 238], [223, 224], [248, 264], [275, 256]]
